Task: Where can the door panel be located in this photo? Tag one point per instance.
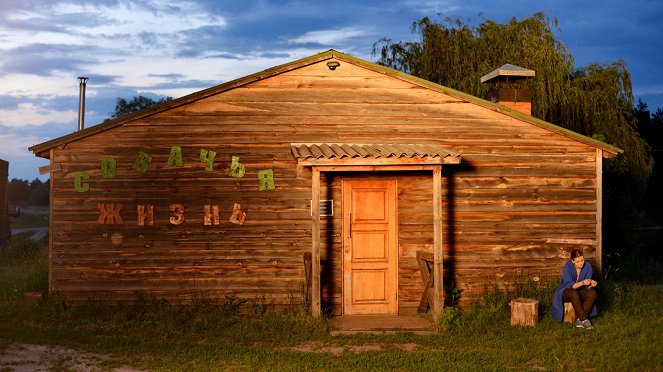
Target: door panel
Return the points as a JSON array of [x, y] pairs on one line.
[[370, 254]]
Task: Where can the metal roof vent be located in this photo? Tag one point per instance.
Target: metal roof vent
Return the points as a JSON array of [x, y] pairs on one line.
[[81, 102]]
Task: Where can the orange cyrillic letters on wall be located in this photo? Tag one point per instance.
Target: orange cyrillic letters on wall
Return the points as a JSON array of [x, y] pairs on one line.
[[109, 214], [145, 215], [211, 215], [178, 214]]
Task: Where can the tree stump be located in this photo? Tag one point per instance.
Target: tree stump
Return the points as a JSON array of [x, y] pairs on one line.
[[524, 312], [569, 313]]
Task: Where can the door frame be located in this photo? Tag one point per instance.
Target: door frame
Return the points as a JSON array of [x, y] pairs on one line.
[[393, 259], [399, 165]]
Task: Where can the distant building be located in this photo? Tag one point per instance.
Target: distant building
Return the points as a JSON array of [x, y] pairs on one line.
[[5, 231]]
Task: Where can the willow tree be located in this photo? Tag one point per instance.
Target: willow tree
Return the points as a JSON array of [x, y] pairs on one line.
[[596, 100]]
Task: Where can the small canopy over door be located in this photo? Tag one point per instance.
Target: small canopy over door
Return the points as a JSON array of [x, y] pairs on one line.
[[368, 158]]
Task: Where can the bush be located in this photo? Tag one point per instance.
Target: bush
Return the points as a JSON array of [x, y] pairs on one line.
[[23, 268], [21, 249]]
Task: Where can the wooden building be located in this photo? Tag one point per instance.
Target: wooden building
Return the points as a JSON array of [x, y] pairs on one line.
[[223, 192], [5, 232]]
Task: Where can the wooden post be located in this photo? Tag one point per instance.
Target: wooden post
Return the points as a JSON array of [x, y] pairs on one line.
[[438, 298], [307, 275], [524, 312], [315, 248], [425, 260], [51, 221], [4, 208]]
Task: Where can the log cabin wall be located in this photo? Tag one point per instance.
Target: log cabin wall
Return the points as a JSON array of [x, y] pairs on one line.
[[522, 198]]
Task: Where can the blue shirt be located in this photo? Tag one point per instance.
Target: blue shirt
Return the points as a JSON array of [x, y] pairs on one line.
[[567, 281]]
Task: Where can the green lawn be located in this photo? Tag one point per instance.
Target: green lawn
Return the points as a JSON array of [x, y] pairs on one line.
[[153, 335]]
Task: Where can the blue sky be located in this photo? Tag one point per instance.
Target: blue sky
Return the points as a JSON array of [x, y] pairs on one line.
[[175, 47]]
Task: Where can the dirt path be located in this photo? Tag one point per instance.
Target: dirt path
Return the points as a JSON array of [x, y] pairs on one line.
[[29, 357], [38, 233]]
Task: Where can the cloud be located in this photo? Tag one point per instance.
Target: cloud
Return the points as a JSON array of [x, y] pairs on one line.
[[30, 87], [653, 88], [134, 17], [30, 114], [329, 37], [45, 59], [15, 144], [172, 76], [9, 102], [273, 55], [200, 41], [433, 7], [225, 56], [67, 34]]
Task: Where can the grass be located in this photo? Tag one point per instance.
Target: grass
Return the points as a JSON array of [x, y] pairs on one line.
[[23, 268], [236, 335]]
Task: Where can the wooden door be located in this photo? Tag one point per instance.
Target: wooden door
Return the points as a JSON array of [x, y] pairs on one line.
[[370, 252]]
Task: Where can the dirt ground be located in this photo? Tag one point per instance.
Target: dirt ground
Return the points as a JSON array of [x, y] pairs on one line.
[[319, 347], [28, 357]]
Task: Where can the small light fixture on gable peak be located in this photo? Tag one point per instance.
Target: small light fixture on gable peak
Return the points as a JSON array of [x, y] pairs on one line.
[[333, 64]]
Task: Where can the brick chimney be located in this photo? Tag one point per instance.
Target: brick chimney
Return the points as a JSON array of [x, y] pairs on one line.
[[517, 99]]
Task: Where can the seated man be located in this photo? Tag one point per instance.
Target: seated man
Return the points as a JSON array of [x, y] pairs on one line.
[[576, 287]]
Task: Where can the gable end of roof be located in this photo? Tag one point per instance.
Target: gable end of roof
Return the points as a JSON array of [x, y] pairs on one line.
[[42, 150]]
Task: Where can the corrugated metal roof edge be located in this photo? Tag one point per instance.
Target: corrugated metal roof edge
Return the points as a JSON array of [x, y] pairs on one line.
[[357, 150], [42, 148]]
